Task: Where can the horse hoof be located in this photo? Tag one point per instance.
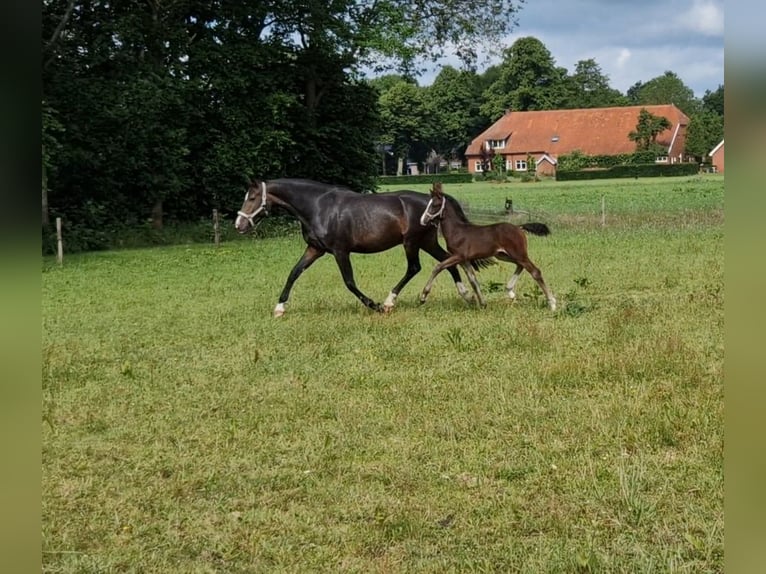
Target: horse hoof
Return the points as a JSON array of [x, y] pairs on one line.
[[387, 309]]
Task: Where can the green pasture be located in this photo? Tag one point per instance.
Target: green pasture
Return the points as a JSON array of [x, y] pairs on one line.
[[186, 430]]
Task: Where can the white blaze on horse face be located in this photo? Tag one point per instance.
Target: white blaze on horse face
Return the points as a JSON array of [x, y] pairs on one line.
[[239, 217]]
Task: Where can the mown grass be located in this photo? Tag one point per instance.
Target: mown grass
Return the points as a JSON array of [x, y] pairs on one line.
[[186, 430]]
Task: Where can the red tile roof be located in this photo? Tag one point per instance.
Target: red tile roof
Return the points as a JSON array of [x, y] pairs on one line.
[[593, 131]]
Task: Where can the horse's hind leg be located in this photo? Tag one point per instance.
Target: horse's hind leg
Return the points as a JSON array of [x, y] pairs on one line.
[[474, 282], [512, 282], [538, 276], [309, 256], [437, 252], [413, 268], [344, 264]]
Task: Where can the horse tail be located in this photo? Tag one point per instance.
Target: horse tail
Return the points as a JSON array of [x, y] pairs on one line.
[[479, 264], [536, 228]]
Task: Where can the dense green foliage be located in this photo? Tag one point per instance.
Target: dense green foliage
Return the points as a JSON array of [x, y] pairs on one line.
[[628, 170], [426, 178], [155, 113], [186, 430]]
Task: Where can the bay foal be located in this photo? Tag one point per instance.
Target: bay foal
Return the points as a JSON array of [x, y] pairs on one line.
[[472, 245]]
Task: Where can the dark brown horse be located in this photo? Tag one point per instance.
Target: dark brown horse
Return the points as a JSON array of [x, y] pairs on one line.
[[469, 243], [339, 221]]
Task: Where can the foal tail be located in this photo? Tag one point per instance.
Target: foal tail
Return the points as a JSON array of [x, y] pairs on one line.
[[479, 264], [536, 228]]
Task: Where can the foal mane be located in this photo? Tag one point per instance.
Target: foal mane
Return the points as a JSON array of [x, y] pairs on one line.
[[457, 207]]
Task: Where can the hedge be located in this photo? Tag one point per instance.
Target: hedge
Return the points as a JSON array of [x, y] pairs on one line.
[[624, 171], [425, 178]]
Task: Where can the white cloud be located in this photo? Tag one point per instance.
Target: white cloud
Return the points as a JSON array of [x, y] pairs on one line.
[[623, 58], [705, 17]]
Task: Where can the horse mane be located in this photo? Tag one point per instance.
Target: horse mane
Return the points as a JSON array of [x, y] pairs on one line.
[[457, 207]]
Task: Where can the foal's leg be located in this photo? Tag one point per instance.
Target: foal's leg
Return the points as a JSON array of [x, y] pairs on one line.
[[437, 252], [535, 273], [512, 281], [449, 262], [344, 264], [309, 256], [474, 282]]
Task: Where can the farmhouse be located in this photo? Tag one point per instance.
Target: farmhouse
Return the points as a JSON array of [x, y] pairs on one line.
[[534, 140], [716, 158]]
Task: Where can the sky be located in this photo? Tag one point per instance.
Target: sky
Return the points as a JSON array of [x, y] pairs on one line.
[[632, 41]]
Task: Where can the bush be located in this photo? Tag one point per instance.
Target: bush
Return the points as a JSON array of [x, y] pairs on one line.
[[627, 170], [425, 178]]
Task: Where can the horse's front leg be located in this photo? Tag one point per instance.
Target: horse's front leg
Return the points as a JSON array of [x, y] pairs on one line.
[[437, 252], [447, 263], [413, 268], [309, 256], [344, 264]]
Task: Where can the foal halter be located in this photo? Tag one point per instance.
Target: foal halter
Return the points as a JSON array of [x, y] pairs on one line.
[[428, 217], [263, 207]]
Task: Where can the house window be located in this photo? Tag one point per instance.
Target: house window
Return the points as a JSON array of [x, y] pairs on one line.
[[521, 165], [662, 159], [477, 167], [496, 144], [508, 165]]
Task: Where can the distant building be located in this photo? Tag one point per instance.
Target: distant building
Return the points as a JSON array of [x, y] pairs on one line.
[[541, 137], [716, 158]]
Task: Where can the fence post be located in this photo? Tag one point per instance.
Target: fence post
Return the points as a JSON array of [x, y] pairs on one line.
[[216, 229], [60, 252]]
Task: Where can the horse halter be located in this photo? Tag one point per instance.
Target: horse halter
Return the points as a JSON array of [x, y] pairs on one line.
[[263, 207], [428, 217]]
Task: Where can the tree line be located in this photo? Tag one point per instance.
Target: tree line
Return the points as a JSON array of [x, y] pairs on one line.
[[161, 110]]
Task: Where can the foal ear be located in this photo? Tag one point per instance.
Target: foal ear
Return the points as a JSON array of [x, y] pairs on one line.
[[436, 188]]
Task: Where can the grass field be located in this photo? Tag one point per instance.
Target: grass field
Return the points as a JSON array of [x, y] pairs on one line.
[[186, 430]]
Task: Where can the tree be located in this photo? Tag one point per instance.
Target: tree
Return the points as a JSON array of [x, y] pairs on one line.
[[166, 106], [713, 101], [590, 87], [704, 132], [452, 104], [529, 80], [402, 113], [647, 129], [487, 158], [51, 130], [665, 89]]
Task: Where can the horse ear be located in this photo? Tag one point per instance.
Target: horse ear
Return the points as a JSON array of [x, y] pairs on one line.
[[436, 189]]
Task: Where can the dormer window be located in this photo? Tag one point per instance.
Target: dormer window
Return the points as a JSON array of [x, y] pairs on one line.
[[496, 144]]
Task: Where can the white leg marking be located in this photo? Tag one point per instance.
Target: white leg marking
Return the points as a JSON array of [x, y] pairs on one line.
[[512, 284], [463, 291], [388, 304], [552, 303], [279, 310]]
